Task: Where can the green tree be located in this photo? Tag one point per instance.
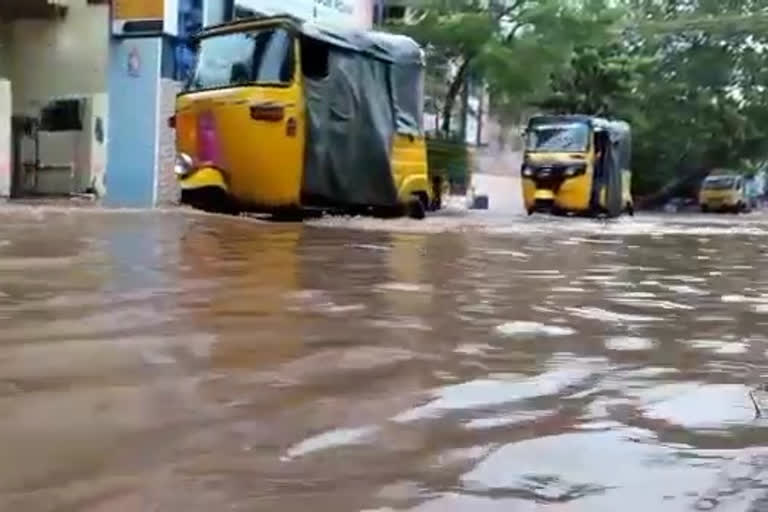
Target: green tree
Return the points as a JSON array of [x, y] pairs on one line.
[[512, 45]]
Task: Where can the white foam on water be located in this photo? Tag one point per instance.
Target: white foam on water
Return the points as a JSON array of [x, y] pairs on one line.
[[499, 389], [719, 346], [629, 344], [527, 329], [331, 439], [604, 315], [405, 287]]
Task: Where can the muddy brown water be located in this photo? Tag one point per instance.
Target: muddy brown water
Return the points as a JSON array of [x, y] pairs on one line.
[[171, 361]]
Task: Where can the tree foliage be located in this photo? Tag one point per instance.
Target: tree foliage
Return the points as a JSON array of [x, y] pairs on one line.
[[512, 45]]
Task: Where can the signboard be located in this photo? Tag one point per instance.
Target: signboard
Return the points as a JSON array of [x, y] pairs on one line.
[[349, 13], [143, 18], [139, 9]]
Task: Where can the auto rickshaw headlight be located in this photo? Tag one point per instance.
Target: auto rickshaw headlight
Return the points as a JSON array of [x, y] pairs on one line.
[[575, 170], [184, 165], [527, 171]]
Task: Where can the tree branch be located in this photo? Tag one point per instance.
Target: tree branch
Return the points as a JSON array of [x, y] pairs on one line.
[[453, 91]]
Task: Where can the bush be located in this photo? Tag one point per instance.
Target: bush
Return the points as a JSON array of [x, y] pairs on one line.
[[450, 160]]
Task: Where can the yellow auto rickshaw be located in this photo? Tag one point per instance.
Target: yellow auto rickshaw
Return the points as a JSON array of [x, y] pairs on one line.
[[576, 164], [283, 115], [723, 191]]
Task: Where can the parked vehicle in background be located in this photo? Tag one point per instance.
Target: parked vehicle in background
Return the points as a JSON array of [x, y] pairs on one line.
[[724, 191]]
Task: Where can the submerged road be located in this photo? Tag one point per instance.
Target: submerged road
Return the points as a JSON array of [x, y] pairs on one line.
[[476, 361]]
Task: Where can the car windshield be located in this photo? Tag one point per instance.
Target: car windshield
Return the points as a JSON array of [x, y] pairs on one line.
[[558, 137], [719, 183], [262, 57]]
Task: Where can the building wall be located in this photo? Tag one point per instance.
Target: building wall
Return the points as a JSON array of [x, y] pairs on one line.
[[355, 13], [5, 49], [214, 12], [58, 57], [168, 190]]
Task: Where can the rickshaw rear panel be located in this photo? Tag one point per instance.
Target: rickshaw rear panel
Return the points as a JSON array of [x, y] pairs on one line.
[[409, 166]]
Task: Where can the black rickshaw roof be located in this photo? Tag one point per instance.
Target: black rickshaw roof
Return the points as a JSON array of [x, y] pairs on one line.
[[395, 48]]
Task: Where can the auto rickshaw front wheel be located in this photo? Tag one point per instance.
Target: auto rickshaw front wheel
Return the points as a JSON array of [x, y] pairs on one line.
[[416, 207], [210, 199]]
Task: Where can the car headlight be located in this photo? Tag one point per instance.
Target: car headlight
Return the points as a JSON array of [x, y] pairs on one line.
[[184, 165], [527, 171]]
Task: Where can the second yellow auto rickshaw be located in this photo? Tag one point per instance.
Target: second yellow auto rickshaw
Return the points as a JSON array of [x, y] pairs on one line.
[[577, 164], [283, 115]]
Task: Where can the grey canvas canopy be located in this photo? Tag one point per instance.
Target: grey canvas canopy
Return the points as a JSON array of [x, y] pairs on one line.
[[370, 90], [615, 161], [373, 89]]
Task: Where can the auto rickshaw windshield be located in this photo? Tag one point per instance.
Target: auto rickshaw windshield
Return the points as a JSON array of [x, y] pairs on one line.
[[558, 137], [256, 57], [719, 183]]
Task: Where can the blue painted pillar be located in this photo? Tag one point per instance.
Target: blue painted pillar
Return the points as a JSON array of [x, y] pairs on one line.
[[147, 62], [132, 149]]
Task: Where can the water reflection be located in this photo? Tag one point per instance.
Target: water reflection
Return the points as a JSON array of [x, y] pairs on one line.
[[187, 362]]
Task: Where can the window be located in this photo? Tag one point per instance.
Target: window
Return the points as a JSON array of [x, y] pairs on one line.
[[558, 137], [314, 58], [719, 183], [62, 116], [263, 57]]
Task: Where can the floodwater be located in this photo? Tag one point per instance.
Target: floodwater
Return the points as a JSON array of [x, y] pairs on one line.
[[175, 361]]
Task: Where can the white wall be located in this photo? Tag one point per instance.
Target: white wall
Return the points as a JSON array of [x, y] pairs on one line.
[[59, 57], [356, 13], [213, 12], [5, 137]]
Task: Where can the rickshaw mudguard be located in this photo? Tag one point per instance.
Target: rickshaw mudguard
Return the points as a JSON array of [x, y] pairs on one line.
[[415, 183], [204, 177]]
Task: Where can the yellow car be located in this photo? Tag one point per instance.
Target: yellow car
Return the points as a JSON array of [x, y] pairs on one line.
[[723, 192]]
